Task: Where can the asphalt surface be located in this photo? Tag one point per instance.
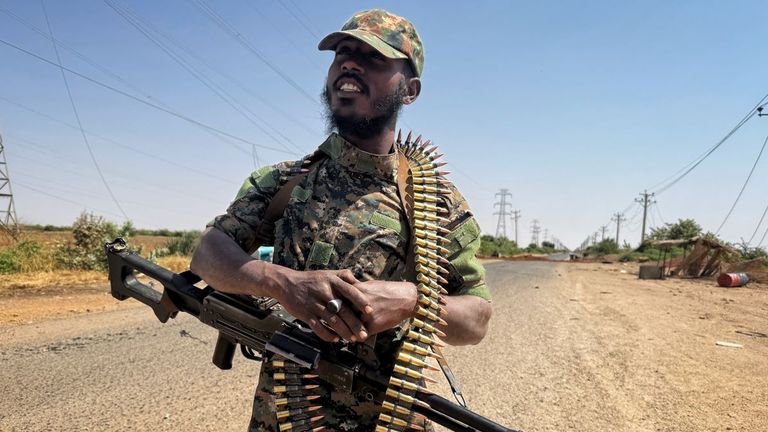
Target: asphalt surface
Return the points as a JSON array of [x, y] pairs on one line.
[[567, 350]]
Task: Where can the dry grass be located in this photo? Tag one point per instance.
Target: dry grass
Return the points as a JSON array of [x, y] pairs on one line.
[[175, 263], [45, 279], [49, 238]]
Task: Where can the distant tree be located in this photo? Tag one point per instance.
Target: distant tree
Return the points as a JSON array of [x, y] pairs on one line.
[[605, 247], [547, 245], [683, 229]]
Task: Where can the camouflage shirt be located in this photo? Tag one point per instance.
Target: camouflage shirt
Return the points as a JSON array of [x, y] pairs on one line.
[[346, 213]]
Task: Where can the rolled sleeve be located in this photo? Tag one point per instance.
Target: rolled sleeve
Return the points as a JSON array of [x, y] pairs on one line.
[[245, 214]]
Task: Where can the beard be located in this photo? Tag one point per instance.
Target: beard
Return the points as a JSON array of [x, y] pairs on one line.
[[387, 108]]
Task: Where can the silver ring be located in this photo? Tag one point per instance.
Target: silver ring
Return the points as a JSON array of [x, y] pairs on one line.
[[334, 306]]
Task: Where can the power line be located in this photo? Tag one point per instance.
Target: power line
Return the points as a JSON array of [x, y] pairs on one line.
[[97, 66], [113, 142], [744, 186], [691, 166], [758, 226], [150, 104], [147, 29], [77, 116], [282, 34], [303, 24], [238, 36]]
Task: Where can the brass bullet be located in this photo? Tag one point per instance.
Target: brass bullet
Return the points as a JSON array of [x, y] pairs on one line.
[[427, 327], [429, 315], [426, 301], [295, 424], [399, 136], [389, 406], [386, 418], [295, 400], [407, 385], [426, 290], [423, 197], [398, 396], [296, 412], [409, 359], [429, 208], [421, 338], [412, 373], [280, 376], [290, 388], [417, 349], [408, 138]]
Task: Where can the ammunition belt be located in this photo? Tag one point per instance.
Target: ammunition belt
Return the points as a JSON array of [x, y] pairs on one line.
[[298, 403], [427, 238]]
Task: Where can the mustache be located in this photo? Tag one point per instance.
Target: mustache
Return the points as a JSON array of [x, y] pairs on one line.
[[352, 76]]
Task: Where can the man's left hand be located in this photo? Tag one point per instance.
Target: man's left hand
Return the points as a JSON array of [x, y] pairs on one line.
[[392, 302]]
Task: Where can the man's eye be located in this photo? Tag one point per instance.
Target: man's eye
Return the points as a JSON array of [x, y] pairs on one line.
[[342, 50]]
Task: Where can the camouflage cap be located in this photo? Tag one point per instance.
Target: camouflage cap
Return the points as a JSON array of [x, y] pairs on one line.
[[391, 35]]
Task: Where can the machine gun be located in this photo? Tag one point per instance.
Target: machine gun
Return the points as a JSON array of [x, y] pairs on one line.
[[259, 327]]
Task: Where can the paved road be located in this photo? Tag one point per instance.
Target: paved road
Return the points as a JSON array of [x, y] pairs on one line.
[[566, 351], [123, 370]]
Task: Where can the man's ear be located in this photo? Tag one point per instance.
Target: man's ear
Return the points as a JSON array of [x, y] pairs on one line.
[[412, 90]]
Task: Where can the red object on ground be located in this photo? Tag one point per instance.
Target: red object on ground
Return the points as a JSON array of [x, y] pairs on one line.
[[732, 279]]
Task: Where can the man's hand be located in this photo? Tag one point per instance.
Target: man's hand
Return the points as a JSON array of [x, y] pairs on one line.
[[221, 262], [305, 295], [392, 302]]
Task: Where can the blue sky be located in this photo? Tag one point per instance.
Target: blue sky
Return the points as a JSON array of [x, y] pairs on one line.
[[575, 107]]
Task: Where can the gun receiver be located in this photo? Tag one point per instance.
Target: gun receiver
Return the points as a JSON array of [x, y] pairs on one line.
[[257, 326]]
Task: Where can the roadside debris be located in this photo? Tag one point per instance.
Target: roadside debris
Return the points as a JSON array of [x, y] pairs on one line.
[[729, 344]]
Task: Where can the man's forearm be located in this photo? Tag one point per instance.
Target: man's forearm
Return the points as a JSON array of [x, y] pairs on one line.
[[467, 319], [222, 264]]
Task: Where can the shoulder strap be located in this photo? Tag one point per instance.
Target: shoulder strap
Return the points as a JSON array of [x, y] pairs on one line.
[[265, 233]]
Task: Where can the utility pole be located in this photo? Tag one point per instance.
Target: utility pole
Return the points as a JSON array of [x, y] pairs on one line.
[[546, 234], [515, 217], [501, 225], [645, 201], [603, 229], [535, 230], [8, 221], [618, 218]]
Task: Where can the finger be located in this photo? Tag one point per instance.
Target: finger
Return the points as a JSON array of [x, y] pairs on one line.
[[353, 295], [353, 323], [347, 276], [321, 331], [338, 325]]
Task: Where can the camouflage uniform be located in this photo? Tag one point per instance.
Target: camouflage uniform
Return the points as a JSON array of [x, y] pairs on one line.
[[346, 213]]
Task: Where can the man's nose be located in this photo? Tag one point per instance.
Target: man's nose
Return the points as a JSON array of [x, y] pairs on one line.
[[351, 64]]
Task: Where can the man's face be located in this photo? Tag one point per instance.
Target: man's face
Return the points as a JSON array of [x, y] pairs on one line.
[[364, 90]]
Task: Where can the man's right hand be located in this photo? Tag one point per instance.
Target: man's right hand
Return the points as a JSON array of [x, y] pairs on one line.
[[305, 295]]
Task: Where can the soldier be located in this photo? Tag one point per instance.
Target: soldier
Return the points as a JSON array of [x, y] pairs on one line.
[[343, 233]]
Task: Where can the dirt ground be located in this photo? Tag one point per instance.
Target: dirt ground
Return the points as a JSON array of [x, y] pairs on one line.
[[572, 346]]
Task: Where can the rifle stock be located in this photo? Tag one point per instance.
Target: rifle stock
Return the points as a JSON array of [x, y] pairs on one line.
[[257, 326]]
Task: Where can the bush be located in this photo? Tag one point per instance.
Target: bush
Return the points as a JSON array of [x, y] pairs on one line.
[[25, 256], [181, 246], [90, 232], [605, 247], [497, 246]]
